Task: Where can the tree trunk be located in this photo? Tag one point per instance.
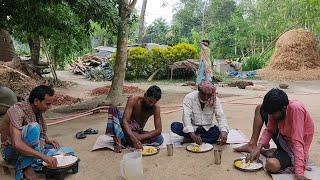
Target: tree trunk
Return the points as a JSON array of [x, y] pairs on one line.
[[105, 41], [7, 52], [262, 42], [203, 16], [242, 52], [50, 60], [122, 53], [141, 26], [54, 57], [34, 44]]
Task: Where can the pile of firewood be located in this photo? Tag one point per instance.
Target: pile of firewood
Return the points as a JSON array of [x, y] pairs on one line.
[[83, 64], [93, 68]]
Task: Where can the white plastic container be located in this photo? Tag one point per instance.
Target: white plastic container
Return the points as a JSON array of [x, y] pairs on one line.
[[131, 167]]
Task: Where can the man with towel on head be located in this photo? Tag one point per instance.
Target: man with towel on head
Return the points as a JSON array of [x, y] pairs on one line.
[[199, 109]]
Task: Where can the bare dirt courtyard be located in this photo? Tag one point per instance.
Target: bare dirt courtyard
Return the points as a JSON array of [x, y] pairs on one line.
[[238, 106]]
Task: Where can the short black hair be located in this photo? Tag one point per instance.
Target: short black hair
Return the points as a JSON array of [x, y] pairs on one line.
[[274, 101], [206, 41], [154, 92], [40, 92]]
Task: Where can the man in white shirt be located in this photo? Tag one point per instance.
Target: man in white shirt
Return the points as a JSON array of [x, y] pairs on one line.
[[199, 109]]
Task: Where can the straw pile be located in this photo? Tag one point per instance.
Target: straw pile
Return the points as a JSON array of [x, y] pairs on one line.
[[17, 82], [295, 57], [21, 78]]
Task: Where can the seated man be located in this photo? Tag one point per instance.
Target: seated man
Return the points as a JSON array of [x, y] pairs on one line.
[[296, 129], [24, 134], [199, 109], [127, 129]]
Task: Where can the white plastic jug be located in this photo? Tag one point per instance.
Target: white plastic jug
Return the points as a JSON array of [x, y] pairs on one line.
[[131, 167]]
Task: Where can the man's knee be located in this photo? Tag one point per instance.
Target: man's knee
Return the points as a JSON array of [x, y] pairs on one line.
[[273, 165], [112, 109], [214, 132], [31, 128], [176, 127], [160, 139], [31, 133]]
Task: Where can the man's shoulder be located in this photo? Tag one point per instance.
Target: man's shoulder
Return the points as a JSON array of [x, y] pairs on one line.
[[296, 105], [191, 95], [20, 107], [134, 99]]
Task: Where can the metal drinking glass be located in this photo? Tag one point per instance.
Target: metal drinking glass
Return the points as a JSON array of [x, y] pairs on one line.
[[170, 149]]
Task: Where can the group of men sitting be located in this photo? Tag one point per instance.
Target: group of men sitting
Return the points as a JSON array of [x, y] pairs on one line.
[[24, 139], [287, 122]]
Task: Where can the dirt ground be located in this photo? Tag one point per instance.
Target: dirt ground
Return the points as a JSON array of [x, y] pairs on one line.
[[104, 164]]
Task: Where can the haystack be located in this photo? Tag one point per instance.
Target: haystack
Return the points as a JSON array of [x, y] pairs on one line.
[[17, 82], [24, 67], [295, 57], [296, 50]]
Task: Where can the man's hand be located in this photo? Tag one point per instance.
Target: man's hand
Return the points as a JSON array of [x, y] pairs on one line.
[[254, 155], [196, 138], [137, 144], [54, 143], [301, 178], [51, 161], [223, 137]]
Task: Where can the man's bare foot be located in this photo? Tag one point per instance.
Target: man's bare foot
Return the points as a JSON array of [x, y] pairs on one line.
[[186, 140], [117, 148], [117, 145], [29, 174], [246, 148], [269, 153]]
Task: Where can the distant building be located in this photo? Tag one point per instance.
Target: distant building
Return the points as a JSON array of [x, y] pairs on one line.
[[107, 51], [104, 51], [153, 45]]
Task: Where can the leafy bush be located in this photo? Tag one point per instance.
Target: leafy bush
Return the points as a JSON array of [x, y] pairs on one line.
[[138, 63], [256, 62], [143, 62], [159, 57], [181, 52], [252, 63]]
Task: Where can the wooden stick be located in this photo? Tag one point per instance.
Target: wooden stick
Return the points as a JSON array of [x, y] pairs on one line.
[[15, 71]]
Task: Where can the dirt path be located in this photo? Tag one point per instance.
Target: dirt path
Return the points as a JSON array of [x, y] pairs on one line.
[[104, 164]]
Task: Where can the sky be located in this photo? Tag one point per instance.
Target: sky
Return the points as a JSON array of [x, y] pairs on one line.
[[155, 11]]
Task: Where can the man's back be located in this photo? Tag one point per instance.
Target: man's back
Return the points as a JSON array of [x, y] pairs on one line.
[[297, 116]]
